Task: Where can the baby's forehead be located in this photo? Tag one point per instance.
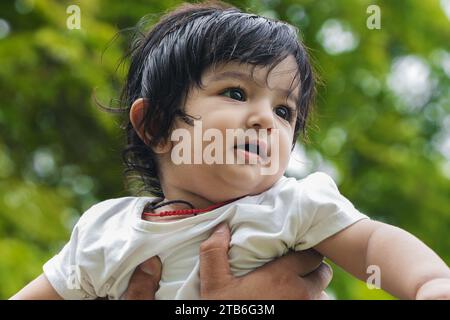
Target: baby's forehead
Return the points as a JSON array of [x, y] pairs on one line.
[[215, 71], [283, 76]]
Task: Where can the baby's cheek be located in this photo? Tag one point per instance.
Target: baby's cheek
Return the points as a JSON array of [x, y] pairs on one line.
[[284, 151]]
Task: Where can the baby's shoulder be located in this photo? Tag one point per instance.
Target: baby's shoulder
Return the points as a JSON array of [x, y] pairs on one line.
[[315, 188], [111, 211], [316, 183], [317, 178], [313, 182]]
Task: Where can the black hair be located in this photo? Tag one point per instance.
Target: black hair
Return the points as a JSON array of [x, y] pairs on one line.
[[169, 60]]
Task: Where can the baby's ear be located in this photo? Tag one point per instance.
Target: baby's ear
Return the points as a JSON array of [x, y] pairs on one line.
[[137, 112]]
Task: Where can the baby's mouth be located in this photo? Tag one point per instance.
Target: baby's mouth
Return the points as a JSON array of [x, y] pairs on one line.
[[258, 148]]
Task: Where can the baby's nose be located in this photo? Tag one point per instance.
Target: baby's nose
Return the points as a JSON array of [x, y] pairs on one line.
[[261, 117]]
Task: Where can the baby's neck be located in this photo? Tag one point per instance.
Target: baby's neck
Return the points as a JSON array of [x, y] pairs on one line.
[[212, 191], [197, 201]]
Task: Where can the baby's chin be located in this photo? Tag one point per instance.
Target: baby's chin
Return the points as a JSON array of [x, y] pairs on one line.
[[237, 185], [237, 195]]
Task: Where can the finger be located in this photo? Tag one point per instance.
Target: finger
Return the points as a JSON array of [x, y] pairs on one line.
[[214, 266], [300, 262], [318, 280], [323, 296], [152, 267], [144, 282]]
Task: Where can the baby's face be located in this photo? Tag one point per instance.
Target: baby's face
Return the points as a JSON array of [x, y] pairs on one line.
[[232, 99]]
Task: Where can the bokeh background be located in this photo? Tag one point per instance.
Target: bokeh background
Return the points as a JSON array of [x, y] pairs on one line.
[[381, 127]]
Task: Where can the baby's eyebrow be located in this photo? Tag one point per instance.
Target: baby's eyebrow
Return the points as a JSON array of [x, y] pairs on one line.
[[247, 77]]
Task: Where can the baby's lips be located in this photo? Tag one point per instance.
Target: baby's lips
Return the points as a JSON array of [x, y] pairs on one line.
[[263, 150], [262, 147]]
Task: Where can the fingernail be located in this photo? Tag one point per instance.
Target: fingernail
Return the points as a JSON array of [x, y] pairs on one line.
[[221, 228], [149, 268], [328, 269]]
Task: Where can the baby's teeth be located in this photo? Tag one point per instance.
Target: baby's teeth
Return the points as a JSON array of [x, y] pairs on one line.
[[253, 148]]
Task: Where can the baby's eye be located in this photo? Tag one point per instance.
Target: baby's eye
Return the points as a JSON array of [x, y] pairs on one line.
[[284, 112], [235, 93]]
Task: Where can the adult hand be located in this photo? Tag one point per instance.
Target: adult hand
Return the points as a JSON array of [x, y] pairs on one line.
[[144, 282], [436, 289], [297, 275]]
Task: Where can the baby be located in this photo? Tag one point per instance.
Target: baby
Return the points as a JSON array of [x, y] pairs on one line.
[[217, 99]]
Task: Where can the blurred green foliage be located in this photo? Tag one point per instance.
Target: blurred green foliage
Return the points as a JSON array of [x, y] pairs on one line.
[[381, 127]]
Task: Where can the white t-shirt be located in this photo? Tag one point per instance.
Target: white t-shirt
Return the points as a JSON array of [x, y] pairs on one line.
[[111, 238]]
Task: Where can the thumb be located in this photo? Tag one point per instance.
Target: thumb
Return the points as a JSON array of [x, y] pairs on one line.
[[152, 267], [144, 282], [214, 267], [318, 280]]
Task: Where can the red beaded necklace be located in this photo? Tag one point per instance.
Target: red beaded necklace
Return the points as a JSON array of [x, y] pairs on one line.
[[148, 210]]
